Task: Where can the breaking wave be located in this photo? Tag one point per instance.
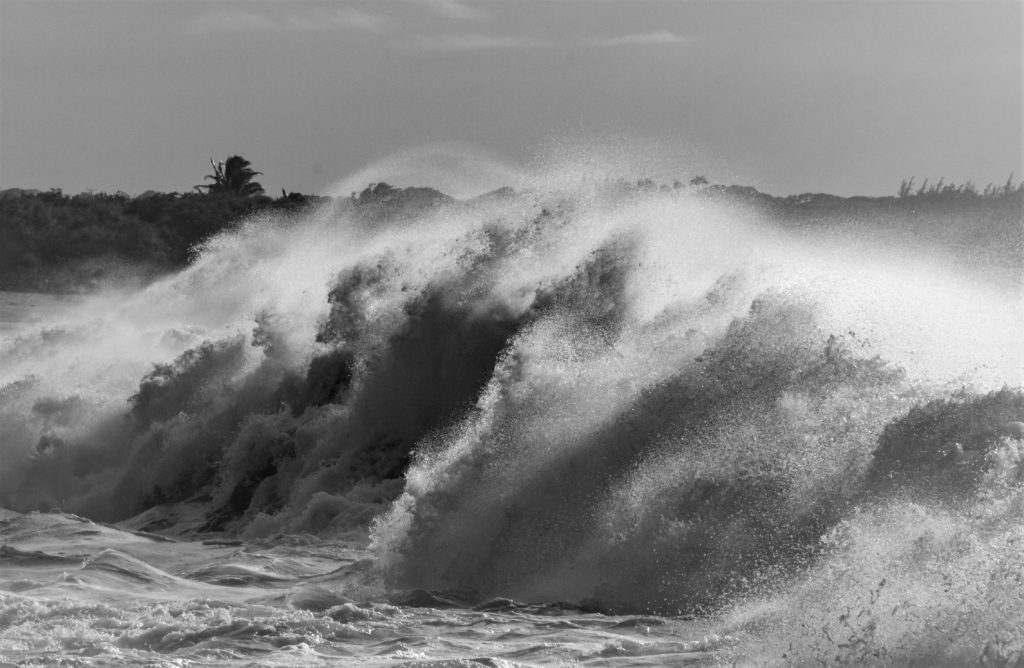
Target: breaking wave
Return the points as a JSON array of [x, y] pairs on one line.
[[641, 400]]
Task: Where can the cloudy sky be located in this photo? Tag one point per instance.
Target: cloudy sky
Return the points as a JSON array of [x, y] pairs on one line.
[[843, 97]]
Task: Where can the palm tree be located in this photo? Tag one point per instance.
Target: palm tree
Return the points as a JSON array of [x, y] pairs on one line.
[[233, 176]]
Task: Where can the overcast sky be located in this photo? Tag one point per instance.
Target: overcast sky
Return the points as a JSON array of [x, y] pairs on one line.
[[842, 97]]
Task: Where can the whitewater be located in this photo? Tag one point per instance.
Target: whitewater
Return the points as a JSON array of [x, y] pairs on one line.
[[578, 422]]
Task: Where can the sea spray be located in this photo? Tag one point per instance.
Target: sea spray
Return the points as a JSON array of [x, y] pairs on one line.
[[644, 400], [899, 582], [659, 491]]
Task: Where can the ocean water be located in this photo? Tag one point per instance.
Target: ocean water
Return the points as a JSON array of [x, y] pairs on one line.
[[579, 423]]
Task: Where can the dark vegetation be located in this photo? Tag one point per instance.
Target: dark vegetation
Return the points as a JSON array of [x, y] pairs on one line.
[[52, 242], [234, 177]]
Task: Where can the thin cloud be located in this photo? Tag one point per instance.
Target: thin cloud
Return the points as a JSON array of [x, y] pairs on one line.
[[481, 42], [243, 20], [477, 42], [660, 37], [347, 18], [453, 9], [231, 20]]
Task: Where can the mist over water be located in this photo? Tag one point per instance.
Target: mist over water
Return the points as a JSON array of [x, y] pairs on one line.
[[635, 400]]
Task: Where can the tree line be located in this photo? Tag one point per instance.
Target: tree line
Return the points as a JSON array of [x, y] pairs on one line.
[[53, 242]]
